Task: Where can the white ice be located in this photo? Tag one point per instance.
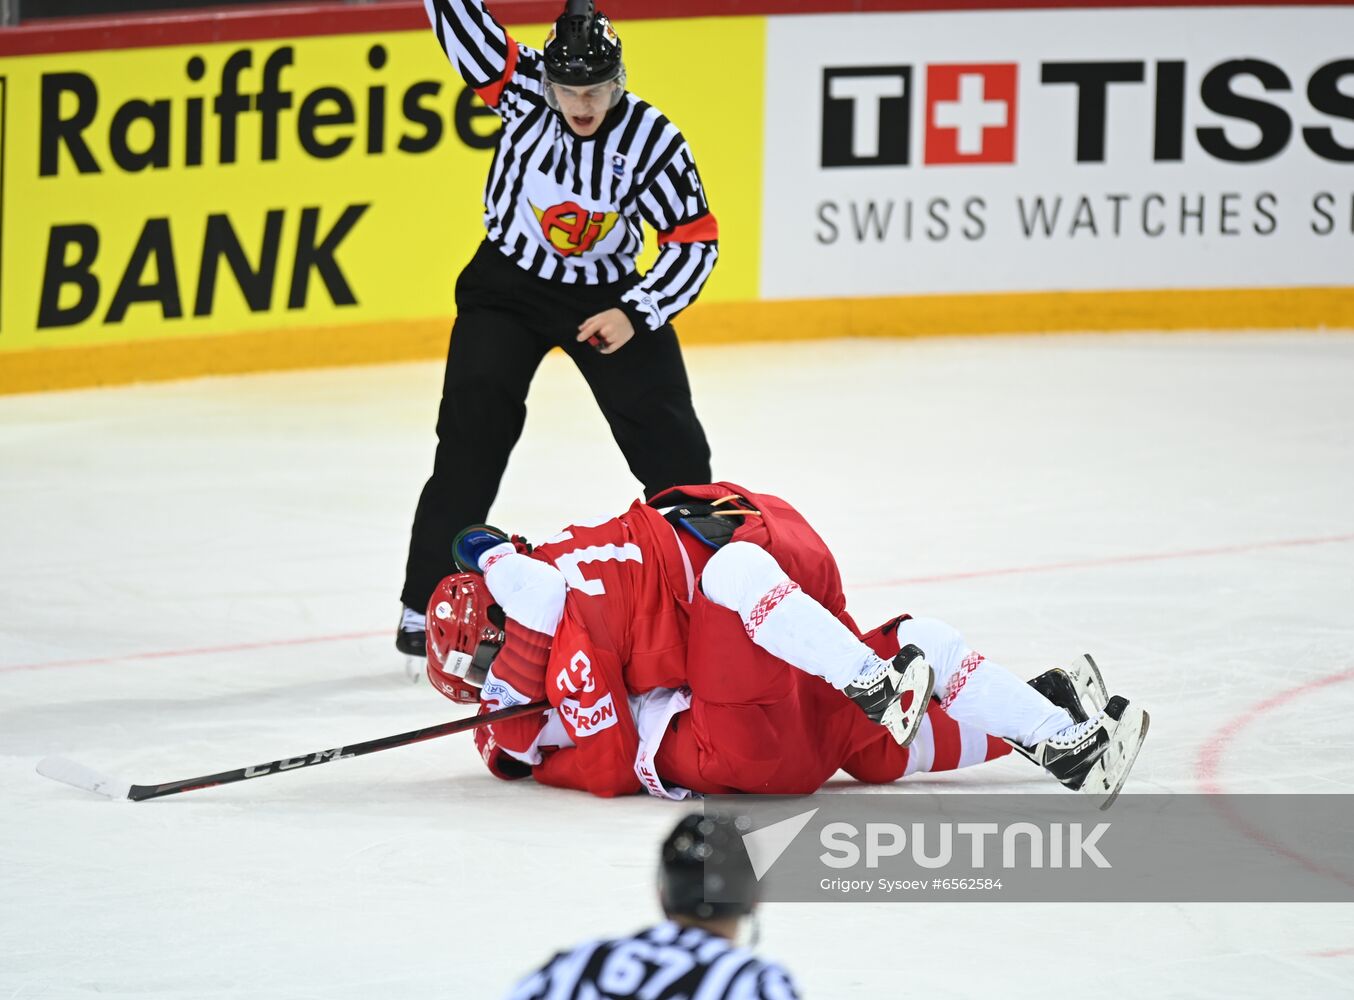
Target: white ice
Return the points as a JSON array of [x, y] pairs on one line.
[[201, 575]]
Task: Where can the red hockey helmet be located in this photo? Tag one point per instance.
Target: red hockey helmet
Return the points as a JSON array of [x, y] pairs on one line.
[[465, 633]]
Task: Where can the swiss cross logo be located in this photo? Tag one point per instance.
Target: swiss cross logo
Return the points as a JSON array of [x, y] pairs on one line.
[[971, 113]]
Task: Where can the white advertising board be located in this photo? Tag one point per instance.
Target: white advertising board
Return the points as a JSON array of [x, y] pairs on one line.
[[1058, 150]]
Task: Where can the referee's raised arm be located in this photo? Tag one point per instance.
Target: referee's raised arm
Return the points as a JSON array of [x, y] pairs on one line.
[[477, 45]]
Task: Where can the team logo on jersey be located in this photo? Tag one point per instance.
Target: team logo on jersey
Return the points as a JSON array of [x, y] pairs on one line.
[[571, 229]]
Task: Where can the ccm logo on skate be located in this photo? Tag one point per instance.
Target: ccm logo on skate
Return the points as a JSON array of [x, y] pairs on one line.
[[592, 719]]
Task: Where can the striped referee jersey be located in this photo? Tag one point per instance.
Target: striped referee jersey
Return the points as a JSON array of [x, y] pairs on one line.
[[569, 209], [666, 962]]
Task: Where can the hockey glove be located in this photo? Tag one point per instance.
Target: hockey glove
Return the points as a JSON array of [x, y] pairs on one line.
[[500, 764], [471, 543]]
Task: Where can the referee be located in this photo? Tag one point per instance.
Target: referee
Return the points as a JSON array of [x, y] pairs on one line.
[[691, 955], [580, 164]]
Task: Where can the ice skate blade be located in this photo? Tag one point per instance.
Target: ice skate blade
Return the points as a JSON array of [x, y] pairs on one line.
[[904, 728], [1089, 683], [1108, 774]]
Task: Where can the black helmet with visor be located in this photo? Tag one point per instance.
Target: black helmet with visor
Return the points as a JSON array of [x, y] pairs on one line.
[[583, 50]]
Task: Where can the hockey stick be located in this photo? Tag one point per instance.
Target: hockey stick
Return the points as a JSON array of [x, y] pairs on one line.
[[68, 771]]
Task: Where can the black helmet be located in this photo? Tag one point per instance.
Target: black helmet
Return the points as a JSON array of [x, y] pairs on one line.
[[582, 48], [705, 856]]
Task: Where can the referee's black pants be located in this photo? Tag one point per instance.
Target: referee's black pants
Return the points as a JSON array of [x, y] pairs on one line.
[[506, 321]]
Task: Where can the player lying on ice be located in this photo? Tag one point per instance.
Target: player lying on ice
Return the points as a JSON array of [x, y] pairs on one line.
[[701, 643]]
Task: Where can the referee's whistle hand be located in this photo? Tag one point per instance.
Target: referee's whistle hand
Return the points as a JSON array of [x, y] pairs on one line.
[[608, 331]]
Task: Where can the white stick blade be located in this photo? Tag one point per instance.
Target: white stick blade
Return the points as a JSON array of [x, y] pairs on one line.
[[71, 773]]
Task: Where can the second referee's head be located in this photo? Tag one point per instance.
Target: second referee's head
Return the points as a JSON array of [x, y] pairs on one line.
[[585, 76], [705, 876]]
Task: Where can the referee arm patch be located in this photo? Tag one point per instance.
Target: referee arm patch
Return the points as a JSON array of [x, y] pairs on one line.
[[702, 230], [490, 93]]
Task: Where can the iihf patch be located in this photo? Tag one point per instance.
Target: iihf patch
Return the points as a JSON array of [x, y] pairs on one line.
[[617, 164]]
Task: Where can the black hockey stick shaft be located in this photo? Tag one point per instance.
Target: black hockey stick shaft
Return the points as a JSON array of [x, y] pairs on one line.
[[139, 792]]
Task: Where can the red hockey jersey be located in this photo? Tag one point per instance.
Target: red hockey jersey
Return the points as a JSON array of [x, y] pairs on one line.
[[622, 636], [632, 630]]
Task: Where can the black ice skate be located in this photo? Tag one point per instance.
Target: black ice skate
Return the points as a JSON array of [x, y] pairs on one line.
[[1093, 755], [896, 694], [412, 637], [1079, 688]]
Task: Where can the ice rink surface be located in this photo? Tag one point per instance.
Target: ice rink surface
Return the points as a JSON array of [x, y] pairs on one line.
[[203, 575]]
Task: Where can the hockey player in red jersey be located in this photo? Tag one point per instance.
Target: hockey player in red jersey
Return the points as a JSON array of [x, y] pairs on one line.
[[700, 642]]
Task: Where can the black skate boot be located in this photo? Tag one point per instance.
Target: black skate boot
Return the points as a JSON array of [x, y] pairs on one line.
[[1093, 755], [412, 637], [1079, 688], [1058, 687], [895, 694]]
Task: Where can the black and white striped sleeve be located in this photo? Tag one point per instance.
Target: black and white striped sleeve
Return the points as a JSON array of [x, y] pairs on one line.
[[477, 45], [763, 982], [558, 977], [673, 203]]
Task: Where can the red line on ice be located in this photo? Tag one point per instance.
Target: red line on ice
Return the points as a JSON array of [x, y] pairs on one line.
[[201, 651], [1210, 761], [1220, 550]]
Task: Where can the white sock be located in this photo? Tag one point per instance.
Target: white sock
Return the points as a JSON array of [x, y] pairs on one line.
[[975, 691], [782, 619], [1001, 703]]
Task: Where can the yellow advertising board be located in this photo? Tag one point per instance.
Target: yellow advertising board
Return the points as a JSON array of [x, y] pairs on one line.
[[172, 210], [306, 193]]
